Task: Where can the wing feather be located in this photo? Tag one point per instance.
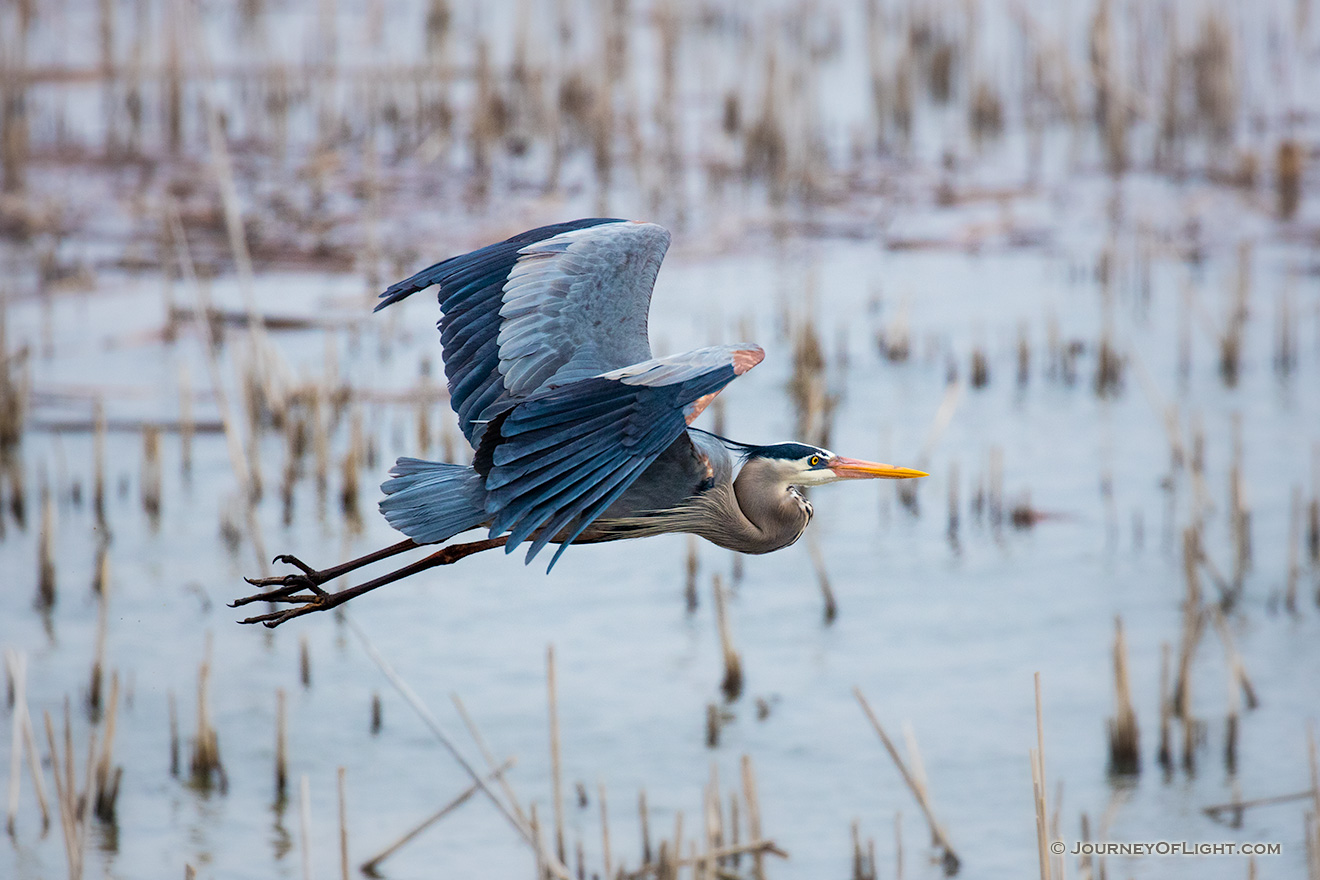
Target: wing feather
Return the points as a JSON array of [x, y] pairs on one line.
[[565, 454], [549, 306]]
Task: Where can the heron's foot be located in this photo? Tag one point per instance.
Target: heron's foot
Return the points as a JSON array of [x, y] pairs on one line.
[[310, 602], [301, 589]]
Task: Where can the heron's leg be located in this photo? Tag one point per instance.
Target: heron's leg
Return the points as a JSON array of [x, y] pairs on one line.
[[311, 579], [319, 600]]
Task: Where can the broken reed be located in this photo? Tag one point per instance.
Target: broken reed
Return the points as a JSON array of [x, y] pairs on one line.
[[732, 683], [1124, 738], [205, 766]]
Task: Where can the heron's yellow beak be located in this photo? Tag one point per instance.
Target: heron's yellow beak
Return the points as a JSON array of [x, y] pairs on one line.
[[854, 469]]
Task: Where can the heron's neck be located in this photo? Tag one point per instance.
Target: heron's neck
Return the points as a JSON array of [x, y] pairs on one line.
[[769, 515]]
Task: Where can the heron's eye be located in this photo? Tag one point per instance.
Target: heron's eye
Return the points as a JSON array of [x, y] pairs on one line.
[[815, 460]]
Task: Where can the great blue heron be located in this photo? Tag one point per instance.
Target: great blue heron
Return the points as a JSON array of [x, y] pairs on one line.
[[580, 435]]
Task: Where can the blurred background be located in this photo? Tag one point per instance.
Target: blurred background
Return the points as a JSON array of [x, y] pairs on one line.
[[1061, 255]]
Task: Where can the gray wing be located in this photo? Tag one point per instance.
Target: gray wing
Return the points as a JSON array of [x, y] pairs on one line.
[[556, 461], [544, 308]]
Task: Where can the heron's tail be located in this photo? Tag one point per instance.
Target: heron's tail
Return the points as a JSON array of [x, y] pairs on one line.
[[431, 502]]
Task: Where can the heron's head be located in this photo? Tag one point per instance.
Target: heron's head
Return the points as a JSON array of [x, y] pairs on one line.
[[799, 464]]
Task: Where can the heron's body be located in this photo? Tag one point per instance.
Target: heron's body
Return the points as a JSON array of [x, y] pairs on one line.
[[579, 434]]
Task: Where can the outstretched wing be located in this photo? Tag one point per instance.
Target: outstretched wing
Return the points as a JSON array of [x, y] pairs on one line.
[[546, 307], [561, 457]]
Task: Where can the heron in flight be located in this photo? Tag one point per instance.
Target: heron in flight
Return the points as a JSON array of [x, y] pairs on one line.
[[579, 434]]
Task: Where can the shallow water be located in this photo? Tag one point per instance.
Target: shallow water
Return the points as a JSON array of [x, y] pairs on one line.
[[943, 639]]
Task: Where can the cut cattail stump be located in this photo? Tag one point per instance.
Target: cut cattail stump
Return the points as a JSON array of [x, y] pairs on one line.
[[712, 725], [605, 855], [1294, 566], [343, 824], [732, 683], [281, 746], [304, 662], [305, 826], [949, 858], [151, 472], [46, 553], [174, 735], [644, 816], [98, 464], [185, 419], [822, 578], [98, 657], [108, 779], [555, 762], [1288, 178], [693, 566], [205, 764], [1165, 755], [1037, 756], [1124, 738]]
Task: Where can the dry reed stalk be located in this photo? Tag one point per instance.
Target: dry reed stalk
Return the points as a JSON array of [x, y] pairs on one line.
[[205, 764], [23, 735], [98, 465], [151, 472], [938, 835], [174, 735], [607, 862], [46, 553], [538, 846], [304, 661], [371, 865], [489, 758], [822, 578], [952, 530], [1238, 805], [644, 816], [1165, 754], [996, 487], [1294, 551], [343, 824], [712, 725], [281, 746], [1237, 670], [1124, 737], [753, 802], [986, 113], [1313, 510], [107, 780], [732, 682], [690, 582], [1023, 357], [305, 826], [101, 569], [376, 714], [1037, 756], [100, 586], [980, 369], [556, 765], [73, 803], [410, 696], [1288, 166]]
